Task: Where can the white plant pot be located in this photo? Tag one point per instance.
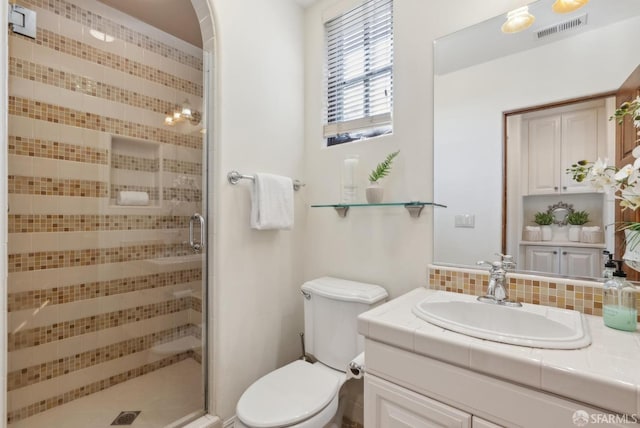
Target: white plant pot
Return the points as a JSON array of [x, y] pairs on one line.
[[374, 193], [547, 233], [574, 232]]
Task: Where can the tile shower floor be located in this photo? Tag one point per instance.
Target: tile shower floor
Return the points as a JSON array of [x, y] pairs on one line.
[[162, 396]]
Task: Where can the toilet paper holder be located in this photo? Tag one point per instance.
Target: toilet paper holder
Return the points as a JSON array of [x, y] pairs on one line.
[[356, 367]]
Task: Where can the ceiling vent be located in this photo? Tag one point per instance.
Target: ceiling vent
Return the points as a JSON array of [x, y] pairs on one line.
[[561, 27]]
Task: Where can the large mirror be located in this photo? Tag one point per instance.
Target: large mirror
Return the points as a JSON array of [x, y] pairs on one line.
[[489, 85]]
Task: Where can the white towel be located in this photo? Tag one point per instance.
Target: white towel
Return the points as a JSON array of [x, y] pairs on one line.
[[132, 198], [532, 228], [591, 228], [271, 202]]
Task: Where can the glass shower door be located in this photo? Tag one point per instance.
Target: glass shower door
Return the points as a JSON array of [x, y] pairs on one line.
[[106, 283]]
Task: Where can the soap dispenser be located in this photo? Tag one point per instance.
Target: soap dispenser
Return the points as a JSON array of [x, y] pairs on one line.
[[609, 266], [619, 302]]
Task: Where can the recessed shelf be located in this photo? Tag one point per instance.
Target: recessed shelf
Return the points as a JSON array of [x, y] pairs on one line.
[[414, 207]]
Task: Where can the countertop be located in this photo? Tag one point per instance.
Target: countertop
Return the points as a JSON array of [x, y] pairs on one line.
[[605, 374]]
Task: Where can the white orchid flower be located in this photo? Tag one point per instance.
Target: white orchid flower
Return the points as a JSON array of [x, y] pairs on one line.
[[600, 166], [601, 176], [624, 173], [630, 199]]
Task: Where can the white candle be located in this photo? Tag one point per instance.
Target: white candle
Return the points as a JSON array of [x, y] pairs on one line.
[[349, 177], [350, 166]]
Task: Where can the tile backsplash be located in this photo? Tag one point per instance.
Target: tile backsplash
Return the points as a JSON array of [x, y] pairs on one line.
[[580, 295]]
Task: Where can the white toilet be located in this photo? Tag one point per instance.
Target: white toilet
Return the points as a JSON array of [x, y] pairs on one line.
[[304, 395]]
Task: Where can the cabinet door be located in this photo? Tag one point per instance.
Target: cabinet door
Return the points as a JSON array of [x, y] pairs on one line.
[[579, 141], [542, 259], [580, 261], [544, 138], [387, 405], [482, 423]]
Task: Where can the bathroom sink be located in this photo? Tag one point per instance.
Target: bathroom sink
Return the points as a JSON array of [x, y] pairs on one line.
[[530, 325]]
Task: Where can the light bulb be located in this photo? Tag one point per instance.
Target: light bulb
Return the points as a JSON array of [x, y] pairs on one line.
[[566, 6], [518, 20]]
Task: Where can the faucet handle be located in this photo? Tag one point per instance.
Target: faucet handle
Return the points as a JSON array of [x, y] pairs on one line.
[[507, 261], [492, 265]]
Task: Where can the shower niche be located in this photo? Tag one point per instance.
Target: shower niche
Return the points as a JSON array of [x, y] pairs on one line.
[[135, 176]]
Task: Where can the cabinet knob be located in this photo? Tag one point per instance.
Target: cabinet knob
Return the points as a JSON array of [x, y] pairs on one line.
[[555, 188], [555, 252], [564, 253], [564, 187]]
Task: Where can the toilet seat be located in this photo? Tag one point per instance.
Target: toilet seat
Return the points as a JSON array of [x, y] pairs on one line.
[[288, 396]]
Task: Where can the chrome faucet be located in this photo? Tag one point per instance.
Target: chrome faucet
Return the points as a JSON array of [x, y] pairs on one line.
[[497, 292]]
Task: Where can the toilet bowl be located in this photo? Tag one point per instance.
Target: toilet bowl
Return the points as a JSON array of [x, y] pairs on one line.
[[305, 395], [298, 395]]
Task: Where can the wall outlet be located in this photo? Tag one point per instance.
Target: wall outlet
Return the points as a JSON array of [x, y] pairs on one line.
[[465, 220]]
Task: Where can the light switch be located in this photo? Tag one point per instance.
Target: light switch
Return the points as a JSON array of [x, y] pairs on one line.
[[465, 220]]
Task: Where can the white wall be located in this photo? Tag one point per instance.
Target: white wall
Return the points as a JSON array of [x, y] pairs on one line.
[[257, 310], [381, 245]]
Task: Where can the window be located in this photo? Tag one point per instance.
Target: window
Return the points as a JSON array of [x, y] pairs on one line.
[[360, 73]]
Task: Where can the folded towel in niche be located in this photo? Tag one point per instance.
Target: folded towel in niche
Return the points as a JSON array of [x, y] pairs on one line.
[[128, 197], [532, 228], [271, 202]]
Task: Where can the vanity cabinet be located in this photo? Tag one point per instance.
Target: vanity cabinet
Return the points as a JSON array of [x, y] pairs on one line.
[[403, 389], [400, 407], [421, 375], [396, 406], [573, 261], [557, 141]]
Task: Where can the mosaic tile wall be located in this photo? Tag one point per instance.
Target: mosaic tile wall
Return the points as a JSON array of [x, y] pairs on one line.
[[97, 293], [582, 296]]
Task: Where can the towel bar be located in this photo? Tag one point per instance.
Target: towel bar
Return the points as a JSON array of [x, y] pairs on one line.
[[234, 177]]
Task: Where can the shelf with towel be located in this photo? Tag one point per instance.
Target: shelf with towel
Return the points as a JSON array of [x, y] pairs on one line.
[[414, 207]]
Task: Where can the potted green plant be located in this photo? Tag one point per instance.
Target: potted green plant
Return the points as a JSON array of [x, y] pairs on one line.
[[576, 219], [375, 191], [544, 220]]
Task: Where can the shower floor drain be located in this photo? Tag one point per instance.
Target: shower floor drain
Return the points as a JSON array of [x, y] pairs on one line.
[[126, 418]]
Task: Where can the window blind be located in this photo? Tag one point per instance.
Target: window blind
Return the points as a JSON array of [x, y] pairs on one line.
[[360, 71]]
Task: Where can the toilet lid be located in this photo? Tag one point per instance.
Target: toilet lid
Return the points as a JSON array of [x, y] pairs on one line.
[[287, 396]]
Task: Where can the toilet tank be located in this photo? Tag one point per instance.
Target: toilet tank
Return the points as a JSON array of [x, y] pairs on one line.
[[331, 309]]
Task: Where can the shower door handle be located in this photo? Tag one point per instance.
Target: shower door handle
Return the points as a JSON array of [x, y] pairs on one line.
[[196, 247]]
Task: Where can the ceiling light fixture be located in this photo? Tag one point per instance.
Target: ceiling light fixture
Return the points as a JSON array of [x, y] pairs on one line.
[[566, 6], [517, 20]]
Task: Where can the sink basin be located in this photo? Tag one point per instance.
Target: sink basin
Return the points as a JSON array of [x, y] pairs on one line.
[[530, 325]]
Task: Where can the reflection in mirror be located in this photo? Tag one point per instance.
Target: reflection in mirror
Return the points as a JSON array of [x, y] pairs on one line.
[[484, 90]]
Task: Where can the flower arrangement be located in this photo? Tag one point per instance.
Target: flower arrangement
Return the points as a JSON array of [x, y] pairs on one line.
[[624, 182]]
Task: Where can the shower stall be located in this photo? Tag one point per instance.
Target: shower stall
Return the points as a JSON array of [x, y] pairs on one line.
[[107, 259]]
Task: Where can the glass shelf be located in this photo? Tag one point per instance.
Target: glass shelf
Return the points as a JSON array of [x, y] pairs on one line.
[[414, 207]]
